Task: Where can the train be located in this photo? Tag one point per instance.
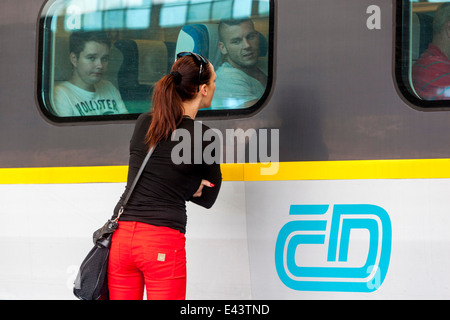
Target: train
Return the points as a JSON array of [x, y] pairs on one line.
[[346, 197]]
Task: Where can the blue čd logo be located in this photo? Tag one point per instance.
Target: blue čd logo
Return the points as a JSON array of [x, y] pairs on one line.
[[334, 273]]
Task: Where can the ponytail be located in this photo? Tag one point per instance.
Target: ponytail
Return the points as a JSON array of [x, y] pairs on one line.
[[167, 111], [168, 96]]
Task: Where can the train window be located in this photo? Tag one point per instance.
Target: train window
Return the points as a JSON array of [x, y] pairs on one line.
[[99, 60], [422, 57]]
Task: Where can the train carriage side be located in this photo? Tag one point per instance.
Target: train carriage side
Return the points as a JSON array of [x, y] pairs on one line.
[[351, 205]]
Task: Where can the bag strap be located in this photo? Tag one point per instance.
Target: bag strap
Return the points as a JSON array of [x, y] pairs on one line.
[[141, 169]]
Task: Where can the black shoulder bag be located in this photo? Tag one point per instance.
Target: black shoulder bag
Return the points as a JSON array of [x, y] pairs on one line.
[[91, 281]]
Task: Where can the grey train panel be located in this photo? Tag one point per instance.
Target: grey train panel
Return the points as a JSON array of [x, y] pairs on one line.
[[333, 95]]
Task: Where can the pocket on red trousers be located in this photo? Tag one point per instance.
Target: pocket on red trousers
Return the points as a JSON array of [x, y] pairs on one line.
[[165, 264]]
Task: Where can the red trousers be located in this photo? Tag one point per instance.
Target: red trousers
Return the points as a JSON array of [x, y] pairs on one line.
[[145, 255]]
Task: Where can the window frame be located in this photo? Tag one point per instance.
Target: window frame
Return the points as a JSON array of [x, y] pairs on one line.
[[403, 61], [45, 54]]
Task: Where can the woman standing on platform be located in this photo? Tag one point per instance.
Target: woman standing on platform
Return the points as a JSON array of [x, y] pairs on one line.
[[148, 249]]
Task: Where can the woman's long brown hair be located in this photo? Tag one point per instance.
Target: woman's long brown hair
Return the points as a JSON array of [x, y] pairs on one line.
[[169, 94]]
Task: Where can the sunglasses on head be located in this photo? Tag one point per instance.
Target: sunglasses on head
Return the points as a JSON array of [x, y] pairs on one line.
[[199, 60]]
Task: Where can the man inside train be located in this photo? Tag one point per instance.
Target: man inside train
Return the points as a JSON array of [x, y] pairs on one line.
[[240, 82], [431, 73], [86, 93]]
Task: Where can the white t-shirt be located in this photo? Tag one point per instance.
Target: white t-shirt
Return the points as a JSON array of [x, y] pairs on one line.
[[234, 88], [70, 100]]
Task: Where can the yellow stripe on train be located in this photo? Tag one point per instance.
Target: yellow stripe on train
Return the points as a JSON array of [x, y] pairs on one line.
[[283, 171]]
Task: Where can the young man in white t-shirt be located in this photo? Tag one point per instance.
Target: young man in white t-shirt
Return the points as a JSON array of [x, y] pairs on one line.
[[240, 82], [87, 93]]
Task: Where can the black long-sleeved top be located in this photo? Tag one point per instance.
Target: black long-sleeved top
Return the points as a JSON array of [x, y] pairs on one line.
[[160, 195]]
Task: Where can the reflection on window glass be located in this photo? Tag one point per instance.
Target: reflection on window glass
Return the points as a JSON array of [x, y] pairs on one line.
[[222, 9], [173, 14], [101, 59], [242, 8], [138, 19], [91, 21], [264, 8], [199, 12], [425, 53], [114, 19]]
